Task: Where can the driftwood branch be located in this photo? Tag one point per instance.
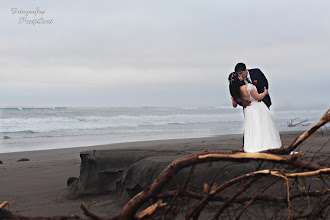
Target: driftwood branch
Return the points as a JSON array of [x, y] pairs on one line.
[[88, 213], [4, 204], [291, 124], [150, 210], [240, 191], [250, 199], [254, 197]]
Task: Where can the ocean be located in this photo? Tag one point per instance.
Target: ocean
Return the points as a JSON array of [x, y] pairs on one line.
[[42, 128]]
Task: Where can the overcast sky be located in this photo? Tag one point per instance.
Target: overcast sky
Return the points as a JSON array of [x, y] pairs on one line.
[[161, 52]]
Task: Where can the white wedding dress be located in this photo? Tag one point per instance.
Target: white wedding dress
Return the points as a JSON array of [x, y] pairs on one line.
[[260, 130]]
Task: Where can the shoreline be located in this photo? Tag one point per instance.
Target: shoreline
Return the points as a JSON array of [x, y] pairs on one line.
[[129, 144], [38, 187]]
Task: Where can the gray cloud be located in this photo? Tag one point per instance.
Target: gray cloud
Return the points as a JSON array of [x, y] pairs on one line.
[[149, 47]]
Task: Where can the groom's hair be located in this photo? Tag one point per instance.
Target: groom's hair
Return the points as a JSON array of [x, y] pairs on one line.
[[240, 67]]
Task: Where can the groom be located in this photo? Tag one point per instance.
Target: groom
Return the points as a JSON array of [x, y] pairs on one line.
[[257, 78]]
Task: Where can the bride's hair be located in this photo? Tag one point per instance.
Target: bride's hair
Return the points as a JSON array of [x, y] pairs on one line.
[[234, 86]]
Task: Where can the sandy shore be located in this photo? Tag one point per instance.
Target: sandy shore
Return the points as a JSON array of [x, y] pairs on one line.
[[37, 187]]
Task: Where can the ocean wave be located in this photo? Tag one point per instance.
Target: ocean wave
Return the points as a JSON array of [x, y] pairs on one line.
[[48, 124], [31, 108], [223, 107], [189, 108], [10, 109], [18, 132]]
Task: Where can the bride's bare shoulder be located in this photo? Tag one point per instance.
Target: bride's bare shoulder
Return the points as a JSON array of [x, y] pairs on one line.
[[243, 87], [244, 90]]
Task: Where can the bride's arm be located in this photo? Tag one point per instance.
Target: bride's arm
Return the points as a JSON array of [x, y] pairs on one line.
[[258, 96]]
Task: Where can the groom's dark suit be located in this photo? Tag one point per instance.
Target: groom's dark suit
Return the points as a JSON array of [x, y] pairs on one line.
[[260, 81]]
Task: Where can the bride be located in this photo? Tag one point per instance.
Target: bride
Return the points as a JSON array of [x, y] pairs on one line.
[[260, 131]]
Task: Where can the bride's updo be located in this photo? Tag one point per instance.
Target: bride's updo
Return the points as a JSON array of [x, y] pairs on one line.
[[234, 86]]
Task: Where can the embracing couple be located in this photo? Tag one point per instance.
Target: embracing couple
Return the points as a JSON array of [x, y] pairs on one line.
[[249, 88]]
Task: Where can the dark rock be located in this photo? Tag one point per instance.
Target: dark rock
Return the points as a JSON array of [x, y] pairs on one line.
[[70, 180], [23, 159]]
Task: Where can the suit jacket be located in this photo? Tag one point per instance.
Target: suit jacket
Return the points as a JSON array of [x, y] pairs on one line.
[[260, 81]]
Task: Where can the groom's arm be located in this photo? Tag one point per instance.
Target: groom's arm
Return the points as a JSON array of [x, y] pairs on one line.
[[263, 83], [264, 80]]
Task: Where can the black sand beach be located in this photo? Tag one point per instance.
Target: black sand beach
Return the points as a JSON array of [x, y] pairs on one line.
[[38, 187]]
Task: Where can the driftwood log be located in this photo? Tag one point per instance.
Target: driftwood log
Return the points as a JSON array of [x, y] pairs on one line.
[[296, 179], [301, 123]]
